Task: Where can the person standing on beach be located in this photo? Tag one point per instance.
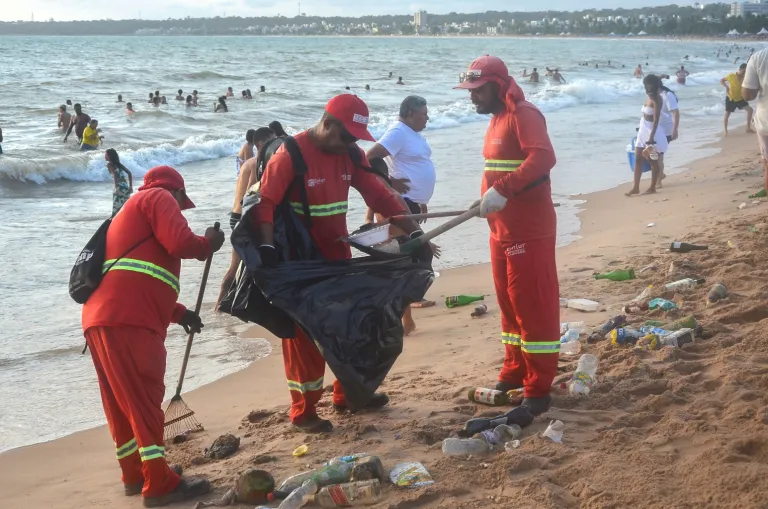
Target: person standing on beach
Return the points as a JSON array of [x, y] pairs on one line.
[[517, 201], [122, 178], [78, 122], [246, 151], [534, 76], [413, 172], [670, 122], [682, 74], [651, 137], [125, 322], [639, 72], [247, 174], [326, 148], [734, 98], [755, 86], [65, 118]]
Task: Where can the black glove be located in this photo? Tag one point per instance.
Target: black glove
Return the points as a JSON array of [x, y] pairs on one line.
[[424, 253], [191, 322], [268, 255]]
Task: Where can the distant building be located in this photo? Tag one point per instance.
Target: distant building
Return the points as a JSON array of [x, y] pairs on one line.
[[420, 20], [491, 31], [754, 8]]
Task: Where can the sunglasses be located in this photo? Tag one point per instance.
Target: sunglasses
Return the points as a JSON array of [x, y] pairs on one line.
[[470, 76]]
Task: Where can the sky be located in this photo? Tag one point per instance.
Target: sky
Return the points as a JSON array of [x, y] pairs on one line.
[[62, 10]]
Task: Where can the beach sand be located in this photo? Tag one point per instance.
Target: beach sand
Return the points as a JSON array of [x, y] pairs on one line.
[[673, 428]]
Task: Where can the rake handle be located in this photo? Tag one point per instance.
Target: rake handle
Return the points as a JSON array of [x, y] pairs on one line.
[[416, 243], [198, 307], [428, 215]]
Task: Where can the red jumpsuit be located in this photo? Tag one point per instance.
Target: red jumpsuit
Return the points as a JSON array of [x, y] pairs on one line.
[[519, 154], [125, 323], [328, 180]]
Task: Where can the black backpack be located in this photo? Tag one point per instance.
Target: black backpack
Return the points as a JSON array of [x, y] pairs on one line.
[[88, 270]]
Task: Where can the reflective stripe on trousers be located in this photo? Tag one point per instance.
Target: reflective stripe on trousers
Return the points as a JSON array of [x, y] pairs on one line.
[[143, 267], [502, 164], [127, 449], [317, 385], [540, 346], [507, 338], [329, 209], [152, 452]]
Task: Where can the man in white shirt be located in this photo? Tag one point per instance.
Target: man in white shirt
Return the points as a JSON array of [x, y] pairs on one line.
[[670, 121], [410, 166], [755, 86]]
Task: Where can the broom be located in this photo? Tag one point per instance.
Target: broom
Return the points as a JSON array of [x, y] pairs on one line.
[[179, 418]]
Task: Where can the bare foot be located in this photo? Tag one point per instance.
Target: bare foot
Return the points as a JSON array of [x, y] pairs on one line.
[[633, 192], [408, 326], [651, 190], [423, 304]]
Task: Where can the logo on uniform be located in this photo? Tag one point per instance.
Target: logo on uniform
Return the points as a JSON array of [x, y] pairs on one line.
[[315, 182], [516, 249], [360, 119]]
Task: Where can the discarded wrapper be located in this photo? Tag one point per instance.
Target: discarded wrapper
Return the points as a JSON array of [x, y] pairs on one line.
[[411, 474], [301, 450]]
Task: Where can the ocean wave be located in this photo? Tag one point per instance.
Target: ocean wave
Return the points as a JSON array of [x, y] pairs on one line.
[[201, 75], [706, 111], [90, 166]]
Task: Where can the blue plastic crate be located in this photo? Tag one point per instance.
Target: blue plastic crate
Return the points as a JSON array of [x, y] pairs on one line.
[[631, 158]]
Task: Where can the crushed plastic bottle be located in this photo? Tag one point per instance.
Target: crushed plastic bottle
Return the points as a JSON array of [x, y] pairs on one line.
[[585, 376], [571, 335], [569, 326], [349, 494], [684, 284], [570, 348], [325, 476], [465, 446], [350, 458], [300, 496]]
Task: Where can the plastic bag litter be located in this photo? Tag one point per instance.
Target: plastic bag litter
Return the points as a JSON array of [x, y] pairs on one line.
[[410, 475]]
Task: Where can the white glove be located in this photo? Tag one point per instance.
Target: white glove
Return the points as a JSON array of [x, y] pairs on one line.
[[492, 202]]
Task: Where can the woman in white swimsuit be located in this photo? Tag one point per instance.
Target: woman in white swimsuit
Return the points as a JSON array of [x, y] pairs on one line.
[[649, 133]]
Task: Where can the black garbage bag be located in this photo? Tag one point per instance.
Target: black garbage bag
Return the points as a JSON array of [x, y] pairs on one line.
[[353, 310], [244, 300]]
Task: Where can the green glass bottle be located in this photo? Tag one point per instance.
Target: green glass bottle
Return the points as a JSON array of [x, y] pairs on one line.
[[617, 275], [760, 194], [455, 301]]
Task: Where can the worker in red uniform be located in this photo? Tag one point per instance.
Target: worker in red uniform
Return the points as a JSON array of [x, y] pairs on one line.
[[517, 202], [125, 322], [331, 172]]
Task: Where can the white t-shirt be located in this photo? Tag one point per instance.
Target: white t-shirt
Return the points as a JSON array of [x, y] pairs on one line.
[[411, 158], [755, 79], [667, 121]]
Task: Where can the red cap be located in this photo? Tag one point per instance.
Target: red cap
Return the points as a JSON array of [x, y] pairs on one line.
[[351, 111], [168, 178], [483, 70]]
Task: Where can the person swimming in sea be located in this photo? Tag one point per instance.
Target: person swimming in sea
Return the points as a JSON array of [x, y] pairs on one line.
[[64, 118], [180, 95], [400, 81], [194, 98], [229, 93], [91, 137], [119, 98], [221, 106], [129, 109], [151, 98]]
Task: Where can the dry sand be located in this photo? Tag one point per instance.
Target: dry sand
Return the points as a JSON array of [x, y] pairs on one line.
[[677, 428]]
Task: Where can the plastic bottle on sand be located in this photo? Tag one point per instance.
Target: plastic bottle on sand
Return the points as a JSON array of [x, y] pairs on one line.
[[331, 474], [577, 326], [585, 376], [300, 496], [465, 446], [351, 494]]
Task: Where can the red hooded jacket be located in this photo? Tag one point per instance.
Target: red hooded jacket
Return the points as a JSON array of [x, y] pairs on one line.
[[517, 139]]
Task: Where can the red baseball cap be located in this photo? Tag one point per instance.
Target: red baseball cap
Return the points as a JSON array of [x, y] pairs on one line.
[[483, 70], [168, 178], [351, 111]]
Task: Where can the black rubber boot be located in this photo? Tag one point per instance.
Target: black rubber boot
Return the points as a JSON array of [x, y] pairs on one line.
[[537, 406], [315, 425], [187, 489], [135, 489], [378, 400]]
